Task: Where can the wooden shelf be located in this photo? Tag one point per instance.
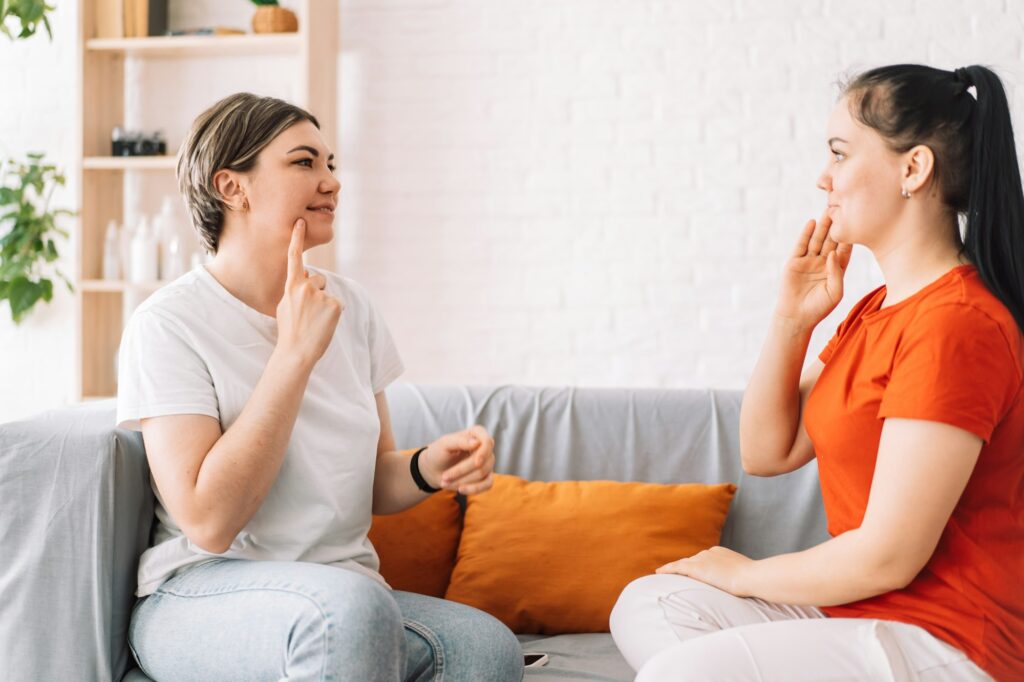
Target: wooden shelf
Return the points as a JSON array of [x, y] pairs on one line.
[[133, 163], [95, 398], [198, 46], [103, 92]]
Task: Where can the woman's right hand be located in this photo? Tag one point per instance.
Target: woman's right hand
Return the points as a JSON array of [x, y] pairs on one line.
[[812, 280], [306, 315]]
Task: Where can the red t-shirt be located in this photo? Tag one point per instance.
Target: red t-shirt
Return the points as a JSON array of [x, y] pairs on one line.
[[950, 353]]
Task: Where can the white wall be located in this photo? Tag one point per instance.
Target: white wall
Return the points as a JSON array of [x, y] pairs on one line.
[[592, 192]]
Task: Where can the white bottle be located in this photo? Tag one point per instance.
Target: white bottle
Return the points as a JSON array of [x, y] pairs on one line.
[[174, 261], [112, 252], [165, 228], [144, 256]]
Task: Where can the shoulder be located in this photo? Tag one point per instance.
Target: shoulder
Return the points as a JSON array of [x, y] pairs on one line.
[[967, 307], [173, 305], [968, 320]]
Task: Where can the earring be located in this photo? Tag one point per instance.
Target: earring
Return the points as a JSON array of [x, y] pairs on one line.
[[904, 193]]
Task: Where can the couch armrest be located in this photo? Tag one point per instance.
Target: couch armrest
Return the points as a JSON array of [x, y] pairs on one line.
[[77, 510]]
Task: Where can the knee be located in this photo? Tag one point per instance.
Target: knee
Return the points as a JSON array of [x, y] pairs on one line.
[[507, 655], [355, 615], [481, 647], [640, 599], [362, 609]]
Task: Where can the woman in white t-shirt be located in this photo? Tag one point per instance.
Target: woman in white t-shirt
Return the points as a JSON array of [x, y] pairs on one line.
[[258, 385]]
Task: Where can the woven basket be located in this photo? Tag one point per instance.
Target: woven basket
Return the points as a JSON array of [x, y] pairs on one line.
[[274, 19]]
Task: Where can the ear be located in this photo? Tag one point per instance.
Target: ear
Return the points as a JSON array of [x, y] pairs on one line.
[[228, 184], [918, 167]]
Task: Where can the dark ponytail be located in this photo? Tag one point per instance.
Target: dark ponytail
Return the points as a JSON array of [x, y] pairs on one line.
[[975, 158], [994, 238]]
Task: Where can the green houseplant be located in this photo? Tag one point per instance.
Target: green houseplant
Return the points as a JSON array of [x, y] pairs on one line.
[[30, 13], [28, 226]]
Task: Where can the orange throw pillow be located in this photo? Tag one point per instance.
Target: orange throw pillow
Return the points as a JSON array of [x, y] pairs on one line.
[[417, 547], [552, 558]]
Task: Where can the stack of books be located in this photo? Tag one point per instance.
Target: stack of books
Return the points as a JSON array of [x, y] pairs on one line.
[[130, 18]]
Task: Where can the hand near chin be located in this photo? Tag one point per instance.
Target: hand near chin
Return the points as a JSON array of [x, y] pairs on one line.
[[307, 315], [812, 279], [717, 566], [462, 462]]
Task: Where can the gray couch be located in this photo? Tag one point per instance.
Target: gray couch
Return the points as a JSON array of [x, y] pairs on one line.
[[76, 506]]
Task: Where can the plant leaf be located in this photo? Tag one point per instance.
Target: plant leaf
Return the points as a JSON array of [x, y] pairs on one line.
[[22, 295]]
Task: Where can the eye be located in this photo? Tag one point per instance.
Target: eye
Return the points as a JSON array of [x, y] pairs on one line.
[[838, 156], [307, 162], [331, 167]]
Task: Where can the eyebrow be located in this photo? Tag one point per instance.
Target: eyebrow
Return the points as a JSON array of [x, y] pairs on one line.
[[311, 150], [833, 140]]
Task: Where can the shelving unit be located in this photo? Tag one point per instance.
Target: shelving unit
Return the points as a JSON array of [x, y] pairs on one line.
[[101, 101]]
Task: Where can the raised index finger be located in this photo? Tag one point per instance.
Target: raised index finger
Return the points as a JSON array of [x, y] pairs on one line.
[[296, 269]]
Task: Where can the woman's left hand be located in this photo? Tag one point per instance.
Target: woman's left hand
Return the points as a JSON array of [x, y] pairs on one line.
[[718, 567], [462, 462]]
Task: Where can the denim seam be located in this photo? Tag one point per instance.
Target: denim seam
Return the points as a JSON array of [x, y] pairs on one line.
[[323, 615], [435, 644]]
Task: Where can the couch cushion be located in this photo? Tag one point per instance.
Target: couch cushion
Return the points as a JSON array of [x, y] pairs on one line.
[[581, 658], [417, 547], [552, 558]]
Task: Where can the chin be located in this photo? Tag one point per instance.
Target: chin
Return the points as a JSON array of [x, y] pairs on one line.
[[838, 230], [319, 234]]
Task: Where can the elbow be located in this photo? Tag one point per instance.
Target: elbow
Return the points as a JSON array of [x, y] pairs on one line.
[[753, 466], [893, 568], [896, 577], [209, 539]]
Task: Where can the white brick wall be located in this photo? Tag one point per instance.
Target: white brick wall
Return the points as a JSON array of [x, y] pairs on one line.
[[603, 192], [592, 192]]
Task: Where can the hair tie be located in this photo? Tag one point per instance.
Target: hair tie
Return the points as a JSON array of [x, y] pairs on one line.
[[963, 77]]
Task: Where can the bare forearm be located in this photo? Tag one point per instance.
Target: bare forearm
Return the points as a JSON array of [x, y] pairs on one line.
[[845, 569], [240, 469], [394, 490], [770, 414]]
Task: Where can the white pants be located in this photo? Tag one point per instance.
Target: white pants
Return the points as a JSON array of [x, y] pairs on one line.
[[669, 627]]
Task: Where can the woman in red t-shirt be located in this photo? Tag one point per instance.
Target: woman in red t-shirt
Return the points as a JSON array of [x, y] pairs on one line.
[[914, 411]]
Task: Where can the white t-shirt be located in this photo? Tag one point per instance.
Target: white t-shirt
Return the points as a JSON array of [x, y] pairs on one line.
[[193, 348]]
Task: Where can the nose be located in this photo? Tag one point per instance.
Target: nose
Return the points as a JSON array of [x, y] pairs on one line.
[[330, 184], [825, 180]]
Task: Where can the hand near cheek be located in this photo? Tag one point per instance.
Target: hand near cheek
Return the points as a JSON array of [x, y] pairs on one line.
[[718, 567], [462, 462]]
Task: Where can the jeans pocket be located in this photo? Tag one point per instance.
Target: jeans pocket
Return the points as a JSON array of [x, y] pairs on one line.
[[435, 644]]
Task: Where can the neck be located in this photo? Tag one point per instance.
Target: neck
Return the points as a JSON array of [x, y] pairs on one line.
[[244, 269], [918, 255]]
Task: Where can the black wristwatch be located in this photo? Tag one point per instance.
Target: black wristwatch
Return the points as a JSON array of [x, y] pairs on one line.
[[414, 468]]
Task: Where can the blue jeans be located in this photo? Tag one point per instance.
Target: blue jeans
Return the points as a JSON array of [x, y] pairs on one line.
[[232, 619]]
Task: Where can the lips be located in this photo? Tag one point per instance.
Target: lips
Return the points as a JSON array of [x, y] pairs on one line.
[[322, 208]]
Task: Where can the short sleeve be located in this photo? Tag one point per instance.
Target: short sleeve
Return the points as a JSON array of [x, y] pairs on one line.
[[953, 365], [160, 373], [826, 353], [385, 363]]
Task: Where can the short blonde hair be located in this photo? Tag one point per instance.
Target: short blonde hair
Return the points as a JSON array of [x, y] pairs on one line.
[[229, 135]]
